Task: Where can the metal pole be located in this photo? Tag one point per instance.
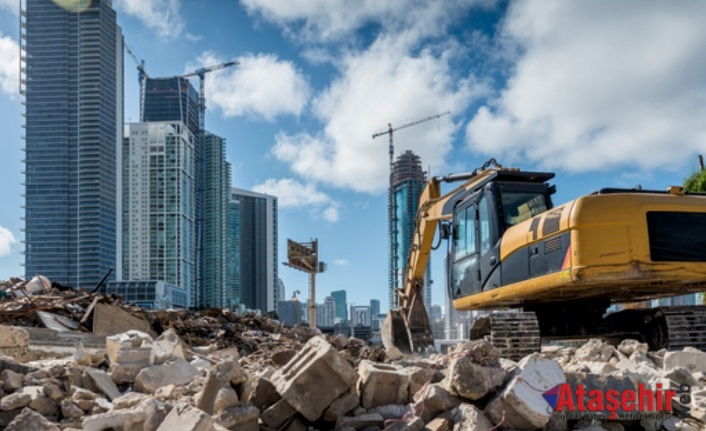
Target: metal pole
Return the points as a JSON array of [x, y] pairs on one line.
[[312, 299]]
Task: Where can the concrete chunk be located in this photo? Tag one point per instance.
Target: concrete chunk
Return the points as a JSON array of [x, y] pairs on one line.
[[434, 401], [521, 402], [168, 346], [314, 378], [128, 353], [360, 422], [438, 424], [242, 418], [176, 371], [468, 417], [262, 393], [184, 417], [277, 414], [14, 401], [12, 380], [341, 406], [691, 359], [103, 382], [29, 420], [415, 424], [119, 419], [382, 384]]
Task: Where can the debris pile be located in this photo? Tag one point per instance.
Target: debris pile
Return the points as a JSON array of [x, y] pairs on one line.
[[131, 369]]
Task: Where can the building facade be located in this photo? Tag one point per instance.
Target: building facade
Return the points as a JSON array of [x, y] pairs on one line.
[[253, 252], [150, 294], [72, 80], [325, 313], [360, 315], [374, 312], [341, 313], [291, 312], [215, 291], [159, 199], [407, 183]]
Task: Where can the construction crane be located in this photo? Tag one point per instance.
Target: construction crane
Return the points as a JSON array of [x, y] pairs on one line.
[[140, 64], [201, 73], [390, 132]]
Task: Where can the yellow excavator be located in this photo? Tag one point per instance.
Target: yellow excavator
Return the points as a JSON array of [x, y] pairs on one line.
[[561, 267]]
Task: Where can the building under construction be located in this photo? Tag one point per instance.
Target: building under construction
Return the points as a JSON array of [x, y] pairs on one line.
[[407, 182]]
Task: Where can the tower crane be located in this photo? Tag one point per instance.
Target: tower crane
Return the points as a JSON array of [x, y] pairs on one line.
[[140, 64], [201, 73], [390, 132]]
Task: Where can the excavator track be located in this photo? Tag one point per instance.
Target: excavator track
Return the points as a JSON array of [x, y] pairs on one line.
[[514, 334], [685, 326]]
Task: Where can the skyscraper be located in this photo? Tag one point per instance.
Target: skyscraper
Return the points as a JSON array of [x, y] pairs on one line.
[[216, 189], [374, 311], [170, 99], [159, 202], [339, 298], [73, 85], [253, 250], [408, 181]]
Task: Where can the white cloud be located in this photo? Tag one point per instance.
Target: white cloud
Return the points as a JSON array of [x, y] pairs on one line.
[[599, 85], [341, 262], [10, 5], [294, 194], [9, 65], [385, 83], [325, 20], [260, 86], [162, 16], [7, 240]]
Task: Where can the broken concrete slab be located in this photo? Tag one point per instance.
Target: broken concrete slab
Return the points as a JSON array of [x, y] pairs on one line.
[[341, 406], [521, 403], [467, 417], [692, 359], [628, 346], [30, 420], [382, 384], [299, 381], [595, 350], [277, 414], [433, 401], [184, 417], [119, 419], [176, 371], [168, 345], [110, 319], [438, 424], [262, 393], [242, 418], [104, 382], [128, 352]]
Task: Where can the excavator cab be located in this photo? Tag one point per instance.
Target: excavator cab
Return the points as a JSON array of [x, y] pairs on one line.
[[480, 219]]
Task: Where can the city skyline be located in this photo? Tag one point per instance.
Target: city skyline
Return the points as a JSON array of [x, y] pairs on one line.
[[314, 84]]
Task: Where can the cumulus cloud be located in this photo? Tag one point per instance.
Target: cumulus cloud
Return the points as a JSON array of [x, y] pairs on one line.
[[385, 83], [294, 194], [162, 16], [341, 262], [9, 65], [7, 240], [325, 20], [599, 85], [261, 86]]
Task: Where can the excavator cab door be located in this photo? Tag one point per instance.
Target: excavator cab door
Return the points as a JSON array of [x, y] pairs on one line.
[[474, 251]]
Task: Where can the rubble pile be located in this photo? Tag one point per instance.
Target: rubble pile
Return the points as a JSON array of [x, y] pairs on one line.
[[132, 369], [145, 383]]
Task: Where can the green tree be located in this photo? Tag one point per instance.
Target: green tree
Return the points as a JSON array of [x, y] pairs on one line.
[[696, 182]]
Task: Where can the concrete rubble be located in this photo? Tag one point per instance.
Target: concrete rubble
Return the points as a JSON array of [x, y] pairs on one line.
[[215, 370]]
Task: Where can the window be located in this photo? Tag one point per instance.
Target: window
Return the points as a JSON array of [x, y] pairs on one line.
[[521, 206], [465, 233]]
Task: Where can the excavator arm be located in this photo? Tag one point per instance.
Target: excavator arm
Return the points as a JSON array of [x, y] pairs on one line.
[[407, 327]]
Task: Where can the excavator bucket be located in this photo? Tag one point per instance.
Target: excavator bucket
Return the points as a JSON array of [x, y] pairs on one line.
[[408, 330]]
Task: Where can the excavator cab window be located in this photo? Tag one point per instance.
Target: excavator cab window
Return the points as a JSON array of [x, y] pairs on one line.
[[520, 206]]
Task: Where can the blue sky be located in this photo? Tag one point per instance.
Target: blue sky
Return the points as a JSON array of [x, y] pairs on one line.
[[606, 94]]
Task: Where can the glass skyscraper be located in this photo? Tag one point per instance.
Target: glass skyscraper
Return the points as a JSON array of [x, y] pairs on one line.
[[216, 239], [252, 258], [339, 298], [73, 86], [408, 181]]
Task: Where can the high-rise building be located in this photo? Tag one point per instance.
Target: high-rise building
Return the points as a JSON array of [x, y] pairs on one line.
[[407, 183], [374, 311], [253, 251], [72, 80], [339, 298], [291, 312], [159, 222], [215, 291], [360, 315], [174, 99], [325, 313]]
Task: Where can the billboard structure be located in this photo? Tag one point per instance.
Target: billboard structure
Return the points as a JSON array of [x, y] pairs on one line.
[[304, 256]]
